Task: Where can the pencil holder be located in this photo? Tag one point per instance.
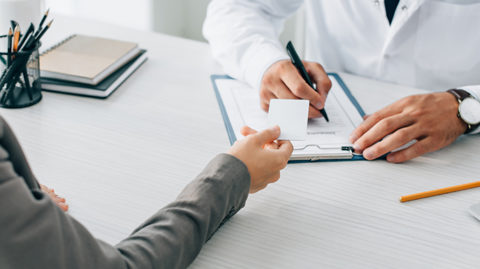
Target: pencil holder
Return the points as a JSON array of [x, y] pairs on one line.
[[19, 80]]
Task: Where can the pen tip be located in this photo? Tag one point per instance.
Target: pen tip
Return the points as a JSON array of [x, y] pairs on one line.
[[46, 13], [10, 31], [50, 23]]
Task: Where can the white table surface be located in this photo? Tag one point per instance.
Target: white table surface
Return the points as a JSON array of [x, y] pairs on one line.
[[119, 160]]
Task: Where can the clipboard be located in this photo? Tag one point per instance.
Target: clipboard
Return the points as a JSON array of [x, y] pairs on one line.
[[303, 151]]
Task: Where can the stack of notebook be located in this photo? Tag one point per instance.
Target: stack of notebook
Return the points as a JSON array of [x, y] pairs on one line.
[[89, 66]]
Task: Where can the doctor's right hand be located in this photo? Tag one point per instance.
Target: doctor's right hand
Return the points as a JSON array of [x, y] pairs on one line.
[[283, 81], [263, 155]]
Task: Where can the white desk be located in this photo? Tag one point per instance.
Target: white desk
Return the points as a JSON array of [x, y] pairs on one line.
[[119, 160]]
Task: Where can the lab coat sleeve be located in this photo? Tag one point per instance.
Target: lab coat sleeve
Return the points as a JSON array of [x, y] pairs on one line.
[[243, 35]]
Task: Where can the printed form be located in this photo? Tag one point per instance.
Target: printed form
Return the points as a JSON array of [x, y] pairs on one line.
[[324, 139]]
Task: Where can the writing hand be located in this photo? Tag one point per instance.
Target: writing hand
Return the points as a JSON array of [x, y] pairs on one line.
[[282, 81]]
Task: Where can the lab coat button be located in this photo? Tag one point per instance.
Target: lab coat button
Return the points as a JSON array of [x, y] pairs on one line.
[[376, 2], [404, 8]]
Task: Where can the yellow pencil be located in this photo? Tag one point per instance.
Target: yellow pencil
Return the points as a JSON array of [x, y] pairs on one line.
[[16, 38], [426, 194]]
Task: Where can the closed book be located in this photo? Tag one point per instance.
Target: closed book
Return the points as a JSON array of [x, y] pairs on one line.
[[101, 90], [86, 59]]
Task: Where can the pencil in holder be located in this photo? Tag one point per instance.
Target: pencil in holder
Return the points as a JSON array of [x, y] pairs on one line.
[[20, 77]]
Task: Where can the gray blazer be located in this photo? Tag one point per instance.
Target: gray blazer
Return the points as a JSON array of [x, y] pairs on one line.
[[35, 233]]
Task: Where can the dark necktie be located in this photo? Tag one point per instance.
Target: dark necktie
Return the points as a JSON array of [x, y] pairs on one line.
[[390, 6]]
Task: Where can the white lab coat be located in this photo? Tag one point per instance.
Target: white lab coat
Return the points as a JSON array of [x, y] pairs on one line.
[[431, 44]]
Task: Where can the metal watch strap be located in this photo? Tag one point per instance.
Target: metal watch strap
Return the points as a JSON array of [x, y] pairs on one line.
[[461, 95]]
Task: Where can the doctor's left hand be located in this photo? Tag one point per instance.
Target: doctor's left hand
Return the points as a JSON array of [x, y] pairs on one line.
[[431, 119]]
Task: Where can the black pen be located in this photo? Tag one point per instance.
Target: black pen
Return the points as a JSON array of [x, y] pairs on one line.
[[30, 30], [6, 79], [29, 42], [32, 40], [301, 69], [44, 30], [9, 46], [43, 20], [13, 24], [27, 82]]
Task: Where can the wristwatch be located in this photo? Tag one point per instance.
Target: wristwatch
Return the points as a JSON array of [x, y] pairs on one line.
[[468, 108]]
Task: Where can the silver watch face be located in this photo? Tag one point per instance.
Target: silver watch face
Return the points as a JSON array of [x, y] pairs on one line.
[[469, 110]]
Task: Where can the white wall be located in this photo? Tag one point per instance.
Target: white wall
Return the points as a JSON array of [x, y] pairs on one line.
[[185, 18], [168, 16], [196, 10], [182, 18], [130, 13]]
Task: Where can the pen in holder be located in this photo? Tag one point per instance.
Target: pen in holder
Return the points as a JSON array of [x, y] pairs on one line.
[[19, 80]]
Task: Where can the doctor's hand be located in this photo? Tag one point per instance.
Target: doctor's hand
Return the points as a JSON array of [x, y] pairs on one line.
[[431, 119], [283, 81], [263, 155]]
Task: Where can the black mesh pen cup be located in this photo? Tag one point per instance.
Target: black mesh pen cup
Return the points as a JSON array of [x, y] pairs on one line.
[[20, 77]]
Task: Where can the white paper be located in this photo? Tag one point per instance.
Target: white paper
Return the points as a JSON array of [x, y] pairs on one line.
[[242, 105], [291, 116]]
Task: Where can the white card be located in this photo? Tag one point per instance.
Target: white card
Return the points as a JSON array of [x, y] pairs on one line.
[[475, 210], [291, 116]]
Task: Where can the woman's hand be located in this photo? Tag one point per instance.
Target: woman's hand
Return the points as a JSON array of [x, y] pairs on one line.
[[59, 201], [263, 155]]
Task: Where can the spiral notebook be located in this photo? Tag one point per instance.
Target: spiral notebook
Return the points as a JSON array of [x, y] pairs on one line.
[[102, 89], [86, 59]]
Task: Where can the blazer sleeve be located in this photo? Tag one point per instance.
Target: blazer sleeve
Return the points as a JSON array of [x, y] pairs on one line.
[[35, 233], [243, 35]]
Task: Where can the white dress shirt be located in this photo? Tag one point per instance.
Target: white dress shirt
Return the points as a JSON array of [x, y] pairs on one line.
[[431, 44]]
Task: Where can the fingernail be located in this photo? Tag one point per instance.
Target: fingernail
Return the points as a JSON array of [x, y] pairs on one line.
[[319, 105], [356, 147], [367, 154], [275, 128], [391, 158]]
